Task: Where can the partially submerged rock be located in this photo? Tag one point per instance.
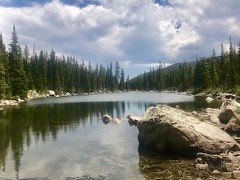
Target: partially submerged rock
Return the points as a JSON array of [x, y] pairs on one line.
[[133, 120], [106, 119], [117, 121], [169, 129]]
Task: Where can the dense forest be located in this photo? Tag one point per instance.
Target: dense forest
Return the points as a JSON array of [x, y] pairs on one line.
[[212, 74], [20, 72]]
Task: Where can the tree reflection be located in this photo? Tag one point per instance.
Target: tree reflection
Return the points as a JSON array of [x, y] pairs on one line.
[[19, 126]]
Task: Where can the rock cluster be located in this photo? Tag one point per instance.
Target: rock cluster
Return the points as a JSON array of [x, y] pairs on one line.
[[10, 102], [225, 164], [211, 135]]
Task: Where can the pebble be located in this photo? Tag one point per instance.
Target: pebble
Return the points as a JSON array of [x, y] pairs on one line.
[[216, 172], [202, 166]]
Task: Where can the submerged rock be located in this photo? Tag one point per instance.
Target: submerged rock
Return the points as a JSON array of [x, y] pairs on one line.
[[173, 130]]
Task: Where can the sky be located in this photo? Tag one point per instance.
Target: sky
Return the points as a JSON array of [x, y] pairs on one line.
[[136, 33]]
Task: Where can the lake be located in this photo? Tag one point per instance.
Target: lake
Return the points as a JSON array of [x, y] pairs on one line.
[[65, 138]]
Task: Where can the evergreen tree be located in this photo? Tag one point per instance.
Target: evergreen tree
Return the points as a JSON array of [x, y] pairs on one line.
[[17, 74], [27, 67], [122, 81], [222, 67], [117, 76], [3, 81], [213, 71], [3, 84], [128, 83], [232, 65], [14, 42], [238, 65]]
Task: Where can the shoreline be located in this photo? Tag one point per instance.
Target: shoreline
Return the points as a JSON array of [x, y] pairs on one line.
[[32, 94]]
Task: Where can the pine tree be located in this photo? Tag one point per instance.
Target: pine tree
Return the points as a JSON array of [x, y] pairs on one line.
[[238, 65], [232, 65], [223, 76], [3, 84], [17, 74], [117, 76], [122, 81], [27, 67], [213, 70], [128, 87], [198, 76], [14, 41]]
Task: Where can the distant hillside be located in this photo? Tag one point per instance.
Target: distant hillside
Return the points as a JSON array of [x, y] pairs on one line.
[[166, 69], [178, 76]]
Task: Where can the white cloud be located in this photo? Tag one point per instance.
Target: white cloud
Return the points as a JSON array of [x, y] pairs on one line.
[[133, 30]]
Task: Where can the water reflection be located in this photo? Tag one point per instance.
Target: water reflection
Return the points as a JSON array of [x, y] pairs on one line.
[[44, 122], [35, 123]]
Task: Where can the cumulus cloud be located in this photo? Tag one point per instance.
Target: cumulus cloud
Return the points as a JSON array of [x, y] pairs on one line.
[[140, 32]]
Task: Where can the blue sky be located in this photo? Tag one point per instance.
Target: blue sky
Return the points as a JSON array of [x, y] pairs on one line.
[[80, 3], [137, 33], [27, 3]]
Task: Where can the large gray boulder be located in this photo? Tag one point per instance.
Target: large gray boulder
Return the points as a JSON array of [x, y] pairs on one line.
[[169, 129]]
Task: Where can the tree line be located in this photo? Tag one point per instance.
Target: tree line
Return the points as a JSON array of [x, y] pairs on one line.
[[214, 73], [20, 72]]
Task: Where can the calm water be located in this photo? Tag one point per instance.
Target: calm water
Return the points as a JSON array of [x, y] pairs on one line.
[[64, 138]]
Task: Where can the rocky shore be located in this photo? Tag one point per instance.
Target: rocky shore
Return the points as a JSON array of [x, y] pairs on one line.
[[32, 94], [211, 136]]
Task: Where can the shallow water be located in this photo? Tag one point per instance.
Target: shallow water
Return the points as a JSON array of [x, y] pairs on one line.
[[65, 138]]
